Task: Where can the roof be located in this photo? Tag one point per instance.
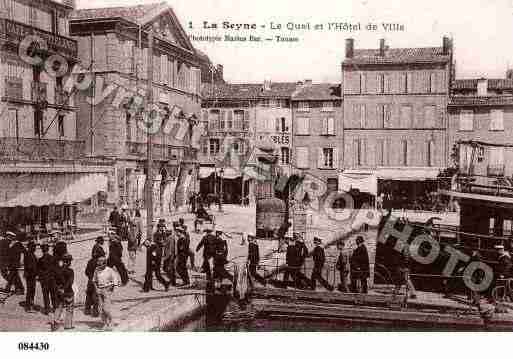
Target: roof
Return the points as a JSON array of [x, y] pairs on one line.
[[497, 100], [249, 91], [134, 13], [317, 92], [398, 56], [493, 84]]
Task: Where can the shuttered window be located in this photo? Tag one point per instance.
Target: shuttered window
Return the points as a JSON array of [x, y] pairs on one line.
[[302, 157], [328, 125], [303, 126], [406, 116], [496, 120], [466, 120], [429, 116]]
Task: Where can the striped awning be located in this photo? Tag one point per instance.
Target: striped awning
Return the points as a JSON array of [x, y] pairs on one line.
[[41, 189]]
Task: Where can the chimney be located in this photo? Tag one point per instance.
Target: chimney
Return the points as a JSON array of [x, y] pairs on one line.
[[382, 48], [308, 82], [267, 85], [349, 48], [446, 46], [509, 74]]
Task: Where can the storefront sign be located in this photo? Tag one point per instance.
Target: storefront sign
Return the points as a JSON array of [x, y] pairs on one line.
[[281, 139], [16, 32]]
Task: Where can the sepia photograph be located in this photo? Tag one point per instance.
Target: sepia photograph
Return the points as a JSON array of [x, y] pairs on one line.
[[242, 166]]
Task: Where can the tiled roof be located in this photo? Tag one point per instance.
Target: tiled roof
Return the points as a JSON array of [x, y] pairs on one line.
[[133, 13], [317, 92], [481, 100], [393, 56], [249, 91], [495, 84]]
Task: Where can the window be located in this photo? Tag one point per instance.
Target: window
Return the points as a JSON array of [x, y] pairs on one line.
[[482, 88], [302, 157], [238, 119], [496, 156], [381, 83], [363, 116], [214, 146], [128, 120], [38, 123], [204, 147], [226, 122], [327, 106], [496, 120], [466, 120], [432, 82], [404, 157], [281, 125], [380, 152], [384, 115], [245, 121], [285, 156], [303, 126], [363, 83], [430, 153], [406, 116], [328, 126], [404, 83], [429, 116], [214, 120], [10, 127], [327, 160], [60, 125], [242, 147], [409, 82], [274, 103], [358, 152], [303, 106]]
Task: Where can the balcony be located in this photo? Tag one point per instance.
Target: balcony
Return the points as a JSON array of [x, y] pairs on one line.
[[44, 149], [160, 152]]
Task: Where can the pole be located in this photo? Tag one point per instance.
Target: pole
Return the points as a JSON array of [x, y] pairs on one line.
[[149, 145], [221, 194]]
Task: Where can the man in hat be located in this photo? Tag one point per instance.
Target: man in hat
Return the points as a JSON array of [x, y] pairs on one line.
[[91, 301], [64, 278], [15, 252], [359, 264], [30, 272], [221, 258], [105, 280], [115, 259], [192, 257], [60, 247], [114, 217], [46, 275], [342, 267], [4, 253], [302, 251], [154, 264], [208, 243], [169, 255], [319, 258], [292, 262], [254, 259], [503, 269], [182, 253], [98, 250]]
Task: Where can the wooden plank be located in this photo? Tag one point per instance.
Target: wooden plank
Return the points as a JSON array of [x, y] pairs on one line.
[[365, 299], [345, 312]]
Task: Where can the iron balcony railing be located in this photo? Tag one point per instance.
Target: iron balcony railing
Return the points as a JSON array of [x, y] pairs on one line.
[[37, 149]]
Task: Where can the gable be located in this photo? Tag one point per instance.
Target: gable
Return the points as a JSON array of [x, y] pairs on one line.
[[166, 26]]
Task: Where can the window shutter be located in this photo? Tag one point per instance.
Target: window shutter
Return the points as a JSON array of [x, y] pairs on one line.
[[356, 153], [363, 116], [356, 116], [331, 126], [324, 126], [247, 122], [320, 158], [380, 115], [410, 82], [387, 154], [335, 158]]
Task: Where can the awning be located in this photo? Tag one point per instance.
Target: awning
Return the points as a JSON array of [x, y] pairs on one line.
[[39, 189], [410, 174], [364, 182], [205, 172]]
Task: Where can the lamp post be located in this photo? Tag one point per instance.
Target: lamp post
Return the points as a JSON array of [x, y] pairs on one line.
[[221, 191]]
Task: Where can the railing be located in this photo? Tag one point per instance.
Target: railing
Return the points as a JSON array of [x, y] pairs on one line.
[[495, 170], [35, 149], [160, 151]]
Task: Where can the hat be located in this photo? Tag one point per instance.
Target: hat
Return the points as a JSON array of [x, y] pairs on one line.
[[67, 257], [219, 233], [162, 220], [499, 246], [55, 232], [360, 239], [10, 234], [45, 247], [124, 207], [317, 240], [99, 239], [207, 230]]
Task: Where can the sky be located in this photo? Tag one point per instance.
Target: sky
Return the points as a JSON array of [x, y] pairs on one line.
[[481, 29]]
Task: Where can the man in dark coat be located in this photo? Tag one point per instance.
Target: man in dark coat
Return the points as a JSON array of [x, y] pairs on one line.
[[16, 250], [30, 271], [208, 243], [115, 259], [302, 251], [91, 301], [169, 256], [64, 278], [254, 259], [46, 273], [319, 258], [60, 247], [114, 218], [342, 267], [182, 253], [359, 266], [154, 264], [292, 261], [98, 250], [221, 258], [4, 254], [504, 264]]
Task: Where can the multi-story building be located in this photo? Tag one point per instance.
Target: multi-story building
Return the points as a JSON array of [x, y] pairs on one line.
[[43, 176], [318, 131], [481, 110], [117, 49], [241, 117], [395, 117]]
